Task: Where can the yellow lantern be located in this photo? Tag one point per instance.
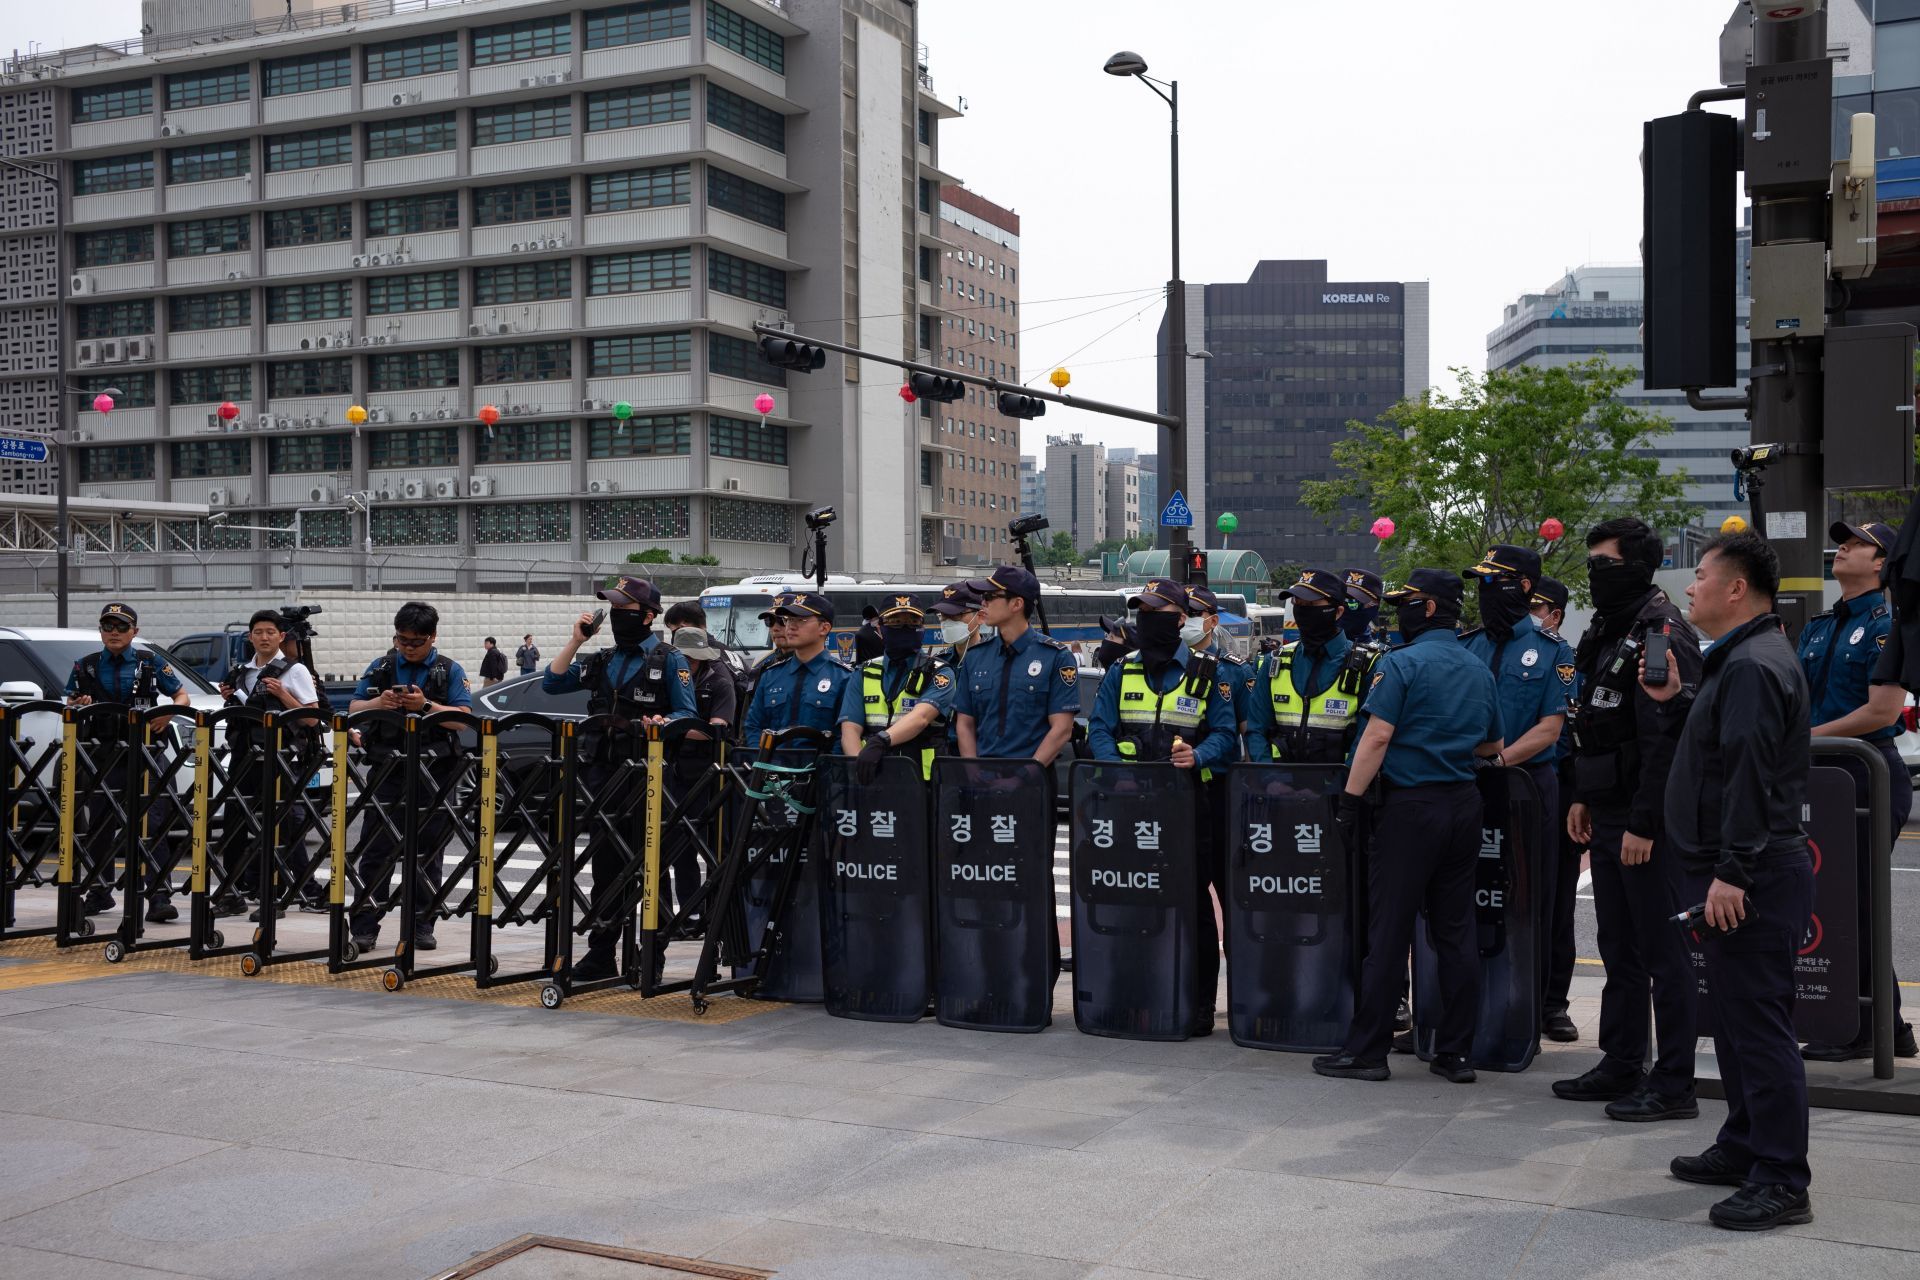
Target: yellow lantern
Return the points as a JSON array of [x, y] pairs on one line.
[[1059, 378], [356, 415], [1733, 524]]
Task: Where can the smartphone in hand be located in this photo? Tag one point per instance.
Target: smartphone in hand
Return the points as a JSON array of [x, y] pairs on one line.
[[1658, 645]]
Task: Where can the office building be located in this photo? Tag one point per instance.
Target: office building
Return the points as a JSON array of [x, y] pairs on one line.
[[1033, 486], [1290, 359], [548, 208], [1124, 514], [1077, 490], [977, 293], [1149, 467]]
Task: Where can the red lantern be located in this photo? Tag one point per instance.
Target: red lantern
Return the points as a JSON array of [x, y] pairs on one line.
[[906, 393], [1552, 530], [229, 411], [488, 414]]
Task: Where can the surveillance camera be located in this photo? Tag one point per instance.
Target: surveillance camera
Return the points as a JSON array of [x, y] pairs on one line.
[[126, 515]]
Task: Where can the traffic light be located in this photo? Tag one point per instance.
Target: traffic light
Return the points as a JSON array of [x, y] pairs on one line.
[[940, 390], [1690, 163], [1019, 406], [787, 353], [1196, 568]]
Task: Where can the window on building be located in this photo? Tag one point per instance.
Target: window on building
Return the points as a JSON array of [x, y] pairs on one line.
[[191, 311], [638, 188], [639, 104], [127, 317], [196, 459], [738, 520], [114, 173], [305, 75], [633, 519], [290, 304], [437, 526], [525, 522], [411, 215], [640, 353], [209, 235], [523, 121], [524, 362], [749, 441], [637, 23], [113, 101], [667, 435], [291, 455], [640, 272], [522, 202], [746, 37], [423, 291], [414, 370], [525, 442], [208, 88], [732, 357], [104, 463], [734, 194], [929, 194], [317, 529], [111, 248], [316, 224], [729, 111], [744, 278], [414, 136], [414, 447], [517, 41], [522, 282], [309, 149], [130, 390], [419, 57], [923, 128], [331, 377], [211, 385]]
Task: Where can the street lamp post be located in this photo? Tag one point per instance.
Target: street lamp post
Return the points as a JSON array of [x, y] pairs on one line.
[[61, 391], [1128, 63]]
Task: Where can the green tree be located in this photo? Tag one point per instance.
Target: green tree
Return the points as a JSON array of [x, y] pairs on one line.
[[1057, 551], [1457, 473], [692, 559], [652, 555]]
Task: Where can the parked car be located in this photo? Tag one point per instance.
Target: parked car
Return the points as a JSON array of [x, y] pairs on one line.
[[214, 653]]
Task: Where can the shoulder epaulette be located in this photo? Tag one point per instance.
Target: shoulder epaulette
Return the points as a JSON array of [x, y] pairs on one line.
[[1553, 635], [1879, 611], [1050, 642], [1816, 617]]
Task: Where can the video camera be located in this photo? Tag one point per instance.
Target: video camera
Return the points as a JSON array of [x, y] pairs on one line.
[[1027, 525], [297, 617], [820, 517]]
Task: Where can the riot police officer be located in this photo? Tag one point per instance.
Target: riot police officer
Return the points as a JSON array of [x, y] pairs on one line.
[[120, 673], [958, 609], [1838, 651], [1623, 748], [1361, 622], [414, 677], [1432, 713], [1018, 692], [1306, 698], [805, 687], [1201, 633], [898, 702], [1548, 604]]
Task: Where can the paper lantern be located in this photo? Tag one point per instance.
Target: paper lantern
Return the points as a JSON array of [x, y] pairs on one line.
[[763, 404], [622, 410], [1733, 524], [906, 393], [103, 403], [1227, 522], [1383, 528], [488, 414], [1059, 378], [1552, 530], [229, 411], [356, 415]]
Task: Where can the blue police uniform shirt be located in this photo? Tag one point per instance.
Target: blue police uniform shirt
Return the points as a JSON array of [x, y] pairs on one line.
[[797, 693], [1312, 675], [459, 688], [1533, 678], [1236, 672], [119, 673], [1010, 690], [1441, 702], [940, 692], [1216, 747], [1838, 651], [622, 666]]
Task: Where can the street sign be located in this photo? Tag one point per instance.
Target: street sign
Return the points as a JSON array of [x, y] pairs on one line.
[[23, 449], [1177, 514]]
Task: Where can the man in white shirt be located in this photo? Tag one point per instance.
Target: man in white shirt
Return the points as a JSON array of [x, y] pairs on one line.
[[268, 682]]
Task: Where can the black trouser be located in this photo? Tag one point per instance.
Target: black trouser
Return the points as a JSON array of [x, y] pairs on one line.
[[608, 859], [431, 832], [1426, 846], [1900, 800], [1562, 852], [1750, 985], [693, 764], [1646, 960], [104, 834], [1546, 848]]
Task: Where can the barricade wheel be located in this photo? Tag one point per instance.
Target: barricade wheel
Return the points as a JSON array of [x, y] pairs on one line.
[[493, 965], [392, 979], [349, 952], [217, 940], [700, 1005], [116, 951], [250, 964], [551, 996], [84, 929]]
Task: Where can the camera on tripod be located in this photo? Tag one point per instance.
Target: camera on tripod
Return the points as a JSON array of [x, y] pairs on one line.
[[820, 517], [298, 618], [1026, 525]]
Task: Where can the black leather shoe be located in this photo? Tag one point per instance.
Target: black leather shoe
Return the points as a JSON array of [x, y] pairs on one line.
[[1645, 1104], [1904, 1045], [1203, 1025], [1344, 1066], [1559, 1028], [161, 910], [593, 968], [424, 942], [1761, 1206], [231, 904], [1403, 1043], [1403, 1017], [1452, 1067], [365, 942], [1712, 1167], [97, 902], [1598, 1085], [279, 913]]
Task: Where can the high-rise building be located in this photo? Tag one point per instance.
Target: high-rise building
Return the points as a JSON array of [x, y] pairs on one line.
[[1033, 486], [550, 208], [1123, 500], [977, 288], [1149, 465], [1593, 311], [1077, 489], [1278, 368]]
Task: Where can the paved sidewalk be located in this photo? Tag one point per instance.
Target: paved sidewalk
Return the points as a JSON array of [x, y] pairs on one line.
[[176, 1124]]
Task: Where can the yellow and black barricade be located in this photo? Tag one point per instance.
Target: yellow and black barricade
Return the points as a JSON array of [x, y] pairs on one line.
[[98, 790], [230, 769], [605, 869], [371, 829], [160, 762], [526, 837], [687, 785], [295, 837], [31, 803]]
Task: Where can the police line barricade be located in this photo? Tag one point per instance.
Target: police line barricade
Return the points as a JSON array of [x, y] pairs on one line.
[[230, 768], [97, 790], [875, 899], [687, 796], [1136, 889], [527, 816], [158, 840], [442, 826], [31, 774], [293, 840], [382, 839], [1506, 917], [996, 941], [1292, 934], [605, 869]]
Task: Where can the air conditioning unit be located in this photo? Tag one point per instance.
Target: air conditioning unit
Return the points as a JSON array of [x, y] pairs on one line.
[[87, 353], [552, 79], [403, 257], [528, 82], [535, 246], [264, 422], [403, 99], [731, 484], [80, 284], [218, 497], [556, 242], [236, 275], [480, 486], [414, 488], [320, 493], [381, 339], [306, 344], [173, 131], [366, 339], [383, 494], [359, 259], [500, 326], [112, 351], [603, 486], [322, 342], [214, 423], [415, 415], [343, 339], [474, 330], [518, 246], [80, 437], [443, 414], [378, 415], [139, 348], [310, 422], [447, 488], [286, 422]]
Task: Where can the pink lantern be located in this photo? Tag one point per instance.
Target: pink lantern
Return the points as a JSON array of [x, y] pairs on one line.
[[906, 393], [763, 404], [1383, 528], [1552, 530], [229, 411], [103, 403]]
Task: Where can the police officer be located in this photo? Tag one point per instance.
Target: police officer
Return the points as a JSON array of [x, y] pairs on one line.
[[1432, 714], [639, 680], [866, 641], [776, 625], [1201, 633], [1306, 698], [958, 609], [416, 678], [1548, 604], [899, 702], [1018, 693], [1838, 651], [119, 673], [1623, 749], [1165, 702], [805, 687], [268, 681], [1361, 623]]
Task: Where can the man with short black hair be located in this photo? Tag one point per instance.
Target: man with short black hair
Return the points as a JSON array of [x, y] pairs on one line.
[[1560, 854], [493, 665], [684, 613], [269, 681]]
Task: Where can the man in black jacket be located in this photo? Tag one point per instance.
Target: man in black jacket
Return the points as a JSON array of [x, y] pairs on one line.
[[1622, 748], [1738, 788]]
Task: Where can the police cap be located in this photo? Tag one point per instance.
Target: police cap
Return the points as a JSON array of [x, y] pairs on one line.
[[120, 612], [1013, 581], [1318, 586], [767, 614], [1551, 592], [632, 591], [1161, 591], [1363, 585], [1878, 535], [957, 600], [901, 609], [805, 604], [1521, 562], [1437, 583]]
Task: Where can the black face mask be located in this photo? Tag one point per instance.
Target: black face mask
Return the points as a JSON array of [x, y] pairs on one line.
[[1159, 634], [1109, 652], [1502, 605], [1318, 623], [1359, 621], [901, 643], [1414, 620], [1618, 588], [630, 627]]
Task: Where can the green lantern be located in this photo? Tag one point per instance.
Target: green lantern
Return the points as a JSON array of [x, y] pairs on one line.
[[1227, 523], [622, 410]]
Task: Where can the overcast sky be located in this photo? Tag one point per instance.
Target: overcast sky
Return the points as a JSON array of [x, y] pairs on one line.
[[1485, 147]]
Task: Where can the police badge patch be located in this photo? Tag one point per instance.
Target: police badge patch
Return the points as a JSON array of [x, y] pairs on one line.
[[942, 681], [1378, 676], [1069, 674], [1565, 672], [686, 677], [1879, 642]]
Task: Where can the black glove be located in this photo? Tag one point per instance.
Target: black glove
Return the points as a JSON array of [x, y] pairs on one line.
[[866, 766], [1349, 817]]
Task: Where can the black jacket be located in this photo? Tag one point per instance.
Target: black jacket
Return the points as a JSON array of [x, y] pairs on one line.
[[1739, 781], [494, 664], [1653, 733]]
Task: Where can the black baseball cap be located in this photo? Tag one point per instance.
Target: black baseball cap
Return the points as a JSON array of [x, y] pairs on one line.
[[957, 599], [1522, 562], [1878, 534], [1364, 585], [903, 608], [1318, 586], [805, 604], [766, 614], [1551, 592], [1202, 600], [1161, 591], [1438, 583], [120, 612], [1015, 581], [632, 591]]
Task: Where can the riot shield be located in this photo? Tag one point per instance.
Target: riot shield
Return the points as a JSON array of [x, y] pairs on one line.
[[1506, 881], [1136, 892], [1291, 950], [996, 944], [875, 916]]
